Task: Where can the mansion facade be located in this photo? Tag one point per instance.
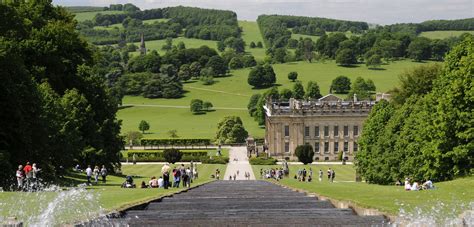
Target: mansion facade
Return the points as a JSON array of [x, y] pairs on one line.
[[329, 124]]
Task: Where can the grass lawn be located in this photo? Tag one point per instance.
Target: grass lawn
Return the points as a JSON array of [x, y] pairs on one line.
[[210, 152], [230, 96], [449, 198], [80, 17], [251, 33], [189, 43], [73, 205], [443, 34], [120, 26]]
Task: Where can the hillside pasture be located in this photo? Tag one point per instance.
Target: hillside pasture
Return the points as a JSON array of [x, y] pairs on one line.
[[83, 16], [444, 34], [188, 42]]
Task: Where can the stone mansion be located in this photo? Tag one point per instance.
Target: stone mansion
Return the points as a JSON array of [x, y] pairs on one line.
[[329, 124]]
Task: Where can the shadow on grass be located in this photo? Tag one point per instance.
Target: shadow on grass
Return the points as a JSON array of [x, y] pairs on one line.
[[125, 107], [265, 87], [350, 66], [190, 82], [376, 69]]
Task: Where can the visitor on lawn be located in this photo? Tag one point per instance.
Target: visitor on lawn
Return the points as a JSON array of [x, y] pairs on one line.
[[19, 177], [96, 174], [217, 174], [329, 174], [333, 175], [320, 175], [143, 185], [128, 182], [28, 174], [89, 174], [407, 184], [415, 186], [165, 170], [160, 182], [186, 180], [153, 182], [428, 185], [176, 178], [34, 175], [190, 176], [103, 173]]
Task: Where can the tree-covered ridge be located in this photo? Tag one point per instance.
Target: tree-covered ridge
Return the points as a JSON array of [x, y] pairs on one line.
[[275, 28], [466, 24], [430, 135], [207, 24], [55, 109]]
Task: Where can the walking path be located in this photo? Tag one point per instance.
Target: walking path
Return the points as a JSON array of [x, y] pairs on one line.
[[238, 161], [217, 91]]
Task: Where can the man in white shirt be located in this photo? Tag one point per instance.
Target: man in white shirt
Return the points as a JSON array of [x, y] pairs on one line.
[[89, 174]]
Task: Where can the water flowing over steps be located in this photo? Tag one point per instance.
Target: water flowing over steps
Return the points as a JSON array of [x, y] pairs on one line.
[[244, 203]]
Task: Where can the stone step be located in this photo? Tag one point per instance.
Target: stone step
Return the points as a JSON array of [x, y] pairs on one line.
[[190, 205]]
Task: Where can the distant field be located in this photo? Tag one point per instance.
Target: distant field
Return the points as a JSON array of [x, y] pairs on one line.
[[190, 43], [230, 96], [443, 34], [90, 15], [251, 33], [120, 26], [297, 36]]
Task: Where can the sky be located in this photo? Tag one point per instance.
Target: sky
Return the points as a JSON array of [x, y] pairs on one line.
[[372, 11]]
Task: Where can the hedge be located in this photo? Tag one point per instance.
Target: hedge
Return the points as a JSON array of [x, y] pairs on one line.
[[175, 142], [214, 160], [262, 161], [157, 155]]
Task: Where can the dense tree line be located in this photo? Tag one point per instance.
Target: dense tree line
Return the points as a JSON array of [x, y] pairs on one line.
[[431, 25], [55, 109], [427, 132]]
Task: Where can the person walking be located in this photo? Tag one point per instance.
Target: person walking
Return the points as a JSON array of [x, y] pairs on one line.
[[189, 173], [217, 174], [19, 177], [89, 174], [96, 174], [103, 173], [329, 174], [165, 170], [320, 175], [333, 175]]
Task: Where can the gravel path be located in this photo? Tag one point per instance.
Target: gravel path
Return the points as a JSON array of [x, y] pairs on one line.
[[241, 164]]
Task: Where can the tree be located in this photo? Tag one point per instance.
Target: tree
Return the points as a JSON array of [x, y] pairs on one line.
[[252, 45], [195, 69], [439, 49], [172, 155], [304, 153], [184, 73], [173, 133], [298, 90], [419, 49], [133, 138], [362, 89], [181, 46], [231, 130], [345, 57], [221, 46], [217, 64], [144, 126], [236, 63], [168, 45], [249, 61], [259, 44], [313, 91], [196, 106], [373, 61], [237, 44], [292, 76], [341, 85], [261, 76], [207, 105], [252, 105], [279, 55], [286, 94]]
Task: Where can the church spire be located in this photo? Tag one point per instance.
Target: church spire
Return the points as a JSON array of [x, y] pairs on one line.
[[142, 44]]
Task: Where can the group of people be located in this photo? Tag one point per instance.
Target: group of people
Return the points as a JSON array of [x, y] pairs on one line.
[[303, 175], [27, 177], [273, 173], [415, 186], [96, 172], [234, 177], [181, 175]]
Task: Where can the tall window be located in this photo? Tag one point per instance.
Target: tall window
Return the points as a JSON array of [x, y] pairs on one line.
[[346, 146], [346, 130], [356, 146], [326, 130], [356, 130], [326, 147], [336, 147], [316, 131], [287, 147], [287, 130], [316, 147], [336, 131], [306, 131]]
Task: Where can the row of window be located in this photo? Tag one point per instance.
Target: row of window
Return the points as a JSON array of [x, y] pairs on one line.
[[336, 149], [326, 131]]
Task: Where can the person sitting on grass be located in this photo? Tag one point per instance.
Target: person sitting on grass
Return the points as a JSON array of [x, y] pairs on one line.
[[153, 182], [161, 182], [407, 184], [415, 186], [143, 185], [428, 185], [128, 182]]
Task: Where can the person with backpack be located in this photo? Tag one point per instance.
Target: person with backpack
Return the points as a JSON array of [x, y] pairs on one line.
[[103, 173]]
